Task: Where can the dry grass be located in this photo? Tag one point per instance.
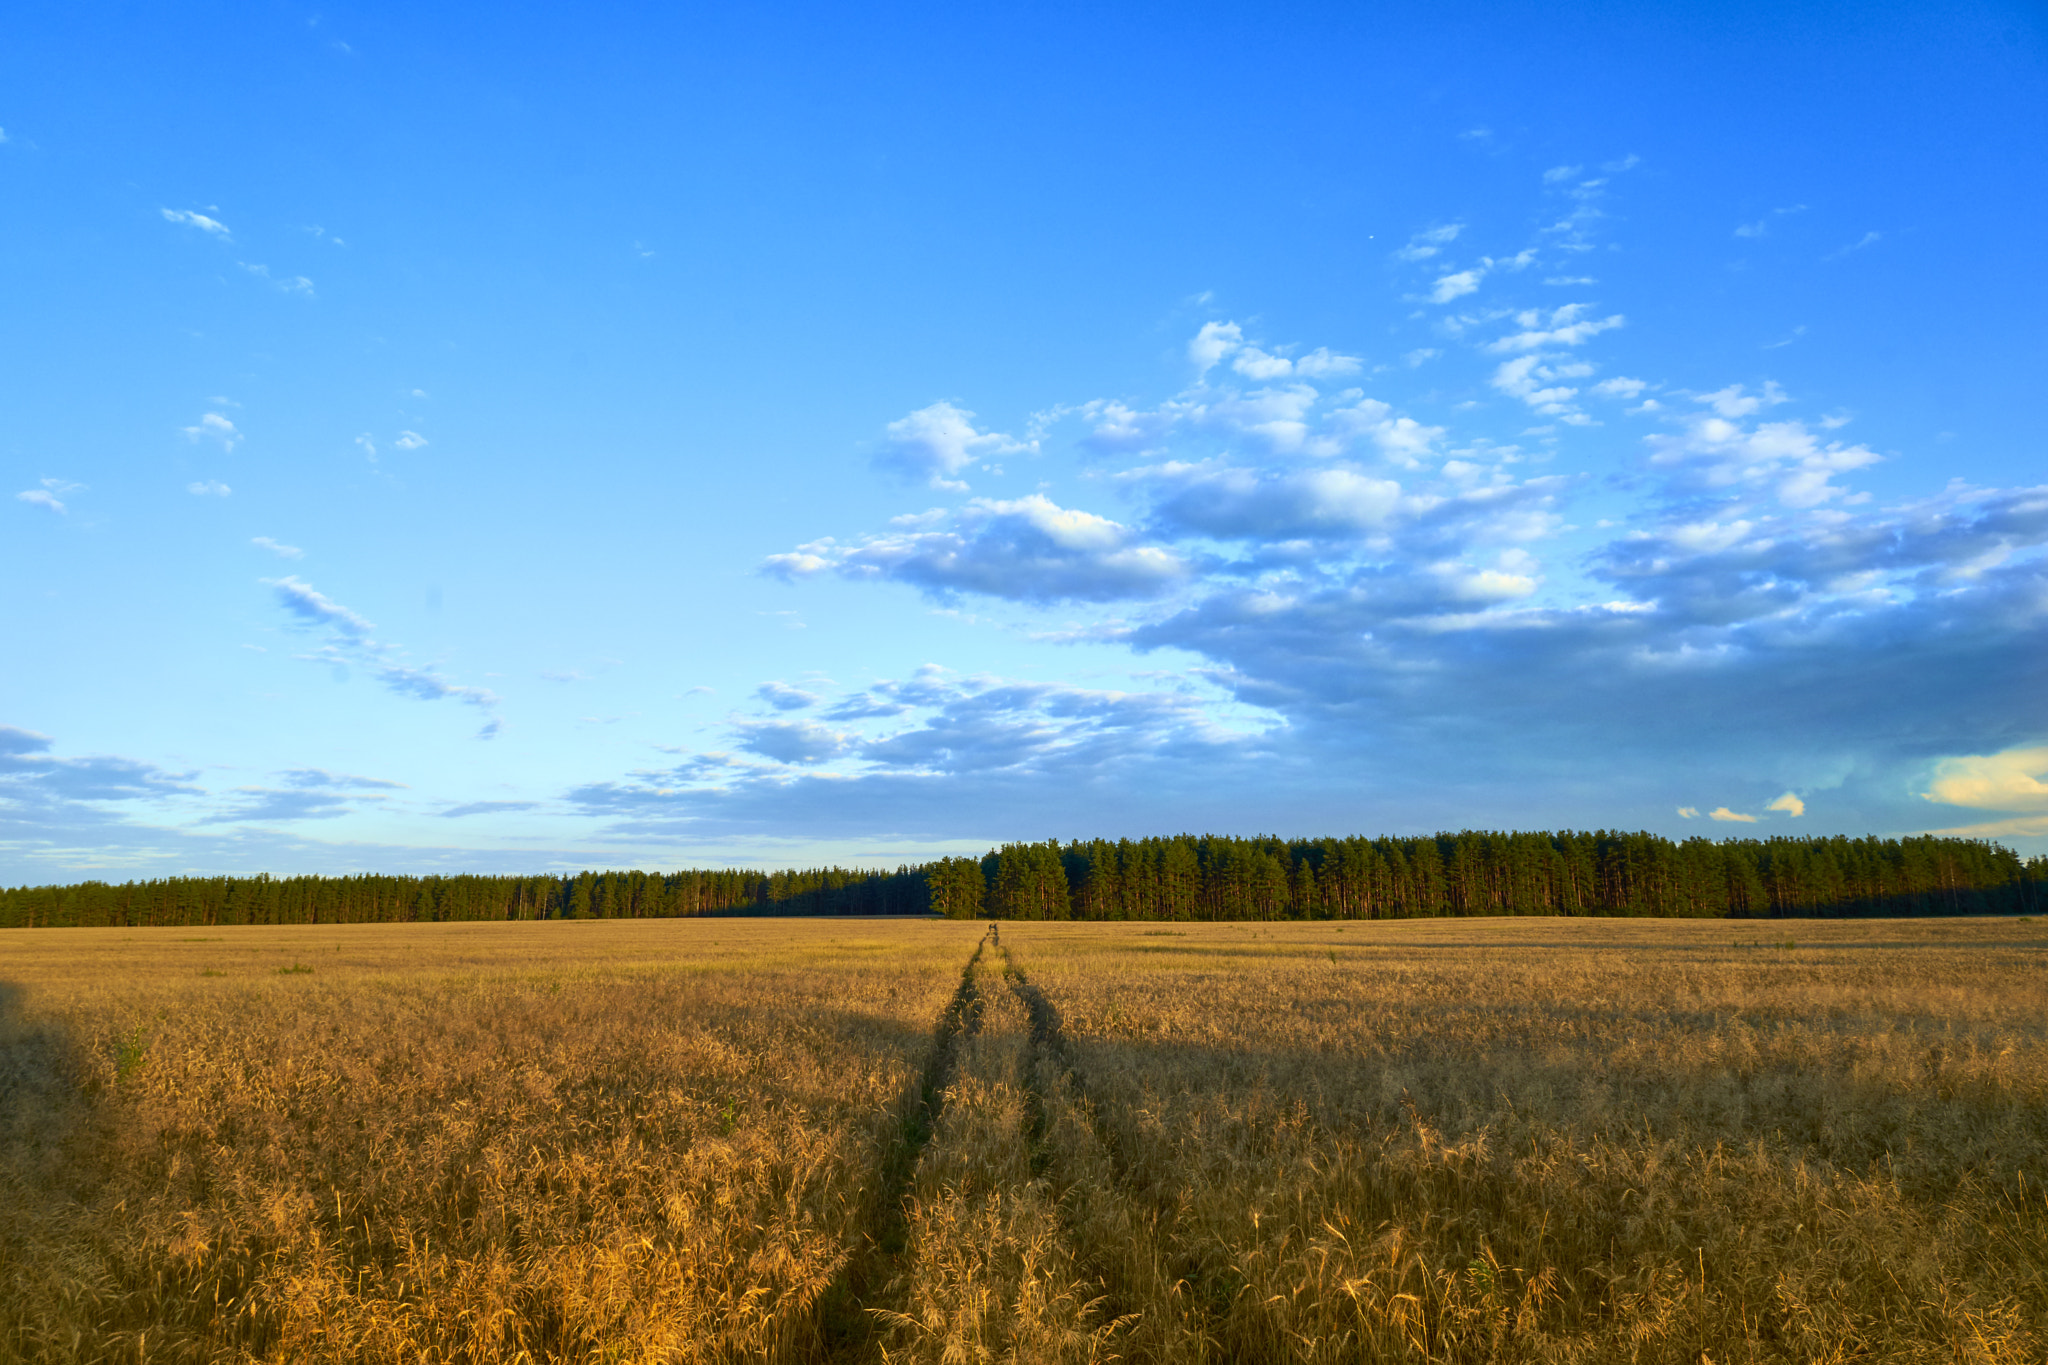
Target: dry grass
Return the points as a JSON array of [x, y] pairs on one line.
[[623, 1141], [1475, 1140], [1577, 1141]]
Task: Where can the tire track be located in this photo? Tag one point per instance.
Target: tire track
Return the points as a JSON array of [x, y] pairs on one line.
[[1049, 1042], [1111, 1221], [845, 1317]]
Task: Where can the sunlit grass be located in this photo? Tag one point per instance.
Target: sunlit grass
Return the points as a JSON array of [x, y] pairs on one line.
[[1452, 1140]]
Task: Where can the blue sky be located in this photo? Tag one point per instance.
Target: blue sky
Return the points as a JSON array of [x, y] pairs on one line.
[[492, 438]]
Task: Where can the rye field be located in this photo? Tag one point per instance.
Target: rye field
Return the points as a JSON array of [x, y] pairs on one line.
[[1462, 1140]]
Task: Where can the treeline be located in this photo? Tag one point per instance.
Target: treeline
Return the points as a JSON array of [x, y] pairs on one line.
[[1181, 878], [1484, 873], [373, 899]]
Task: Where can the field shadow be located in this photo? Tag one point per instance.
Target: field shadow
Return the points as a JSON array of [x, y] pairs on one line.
[[56, 1145]]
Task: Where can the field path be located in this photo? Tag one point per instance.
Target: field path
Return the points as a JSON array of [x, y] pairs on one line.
[[846, 1317]]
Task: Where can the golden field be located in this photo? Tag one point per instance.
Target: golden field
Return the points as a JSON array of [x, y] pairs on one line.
[[680, 1140]]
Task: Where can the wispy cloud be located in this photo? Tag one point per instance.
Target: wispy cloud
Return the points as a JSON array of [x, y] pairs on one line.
[[1866, 240], [1762, 226], [191, 218], [1429, 242], [286, 284], [278, 548], [50, 495], [487, 808], [349, 641], [208, 488]]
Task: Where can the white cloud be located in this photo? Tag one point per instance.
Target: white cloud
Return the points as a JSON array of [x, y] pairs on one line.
[[50, 494], [1566, 326], [1321, 363], [1688, 812], [1275, 417], [1737, 401], [282, 551], [1789, 803], [211, 226], [1253, 363], [289, 284], [1722, 813], [410, 440], [1232, 503], [1535, 380], [1619, 387], [2011, 780], [213, 426], [208, 488], [1457, 285], [1215, 341], [1429, 242], [1559, 174], [934, 444], [1029, 549], [1716, 451]]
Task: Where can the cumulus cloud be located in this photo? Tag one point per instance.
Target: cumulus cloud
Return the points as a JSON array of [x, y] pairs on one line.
[[1715, 450], [410, 440], [1539, 382], [790, 741], [214, 427], [783, 697], [2012, 780], [278, 548], [1213, 342], [935, 444], [1248, 504], [1425, 599]]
